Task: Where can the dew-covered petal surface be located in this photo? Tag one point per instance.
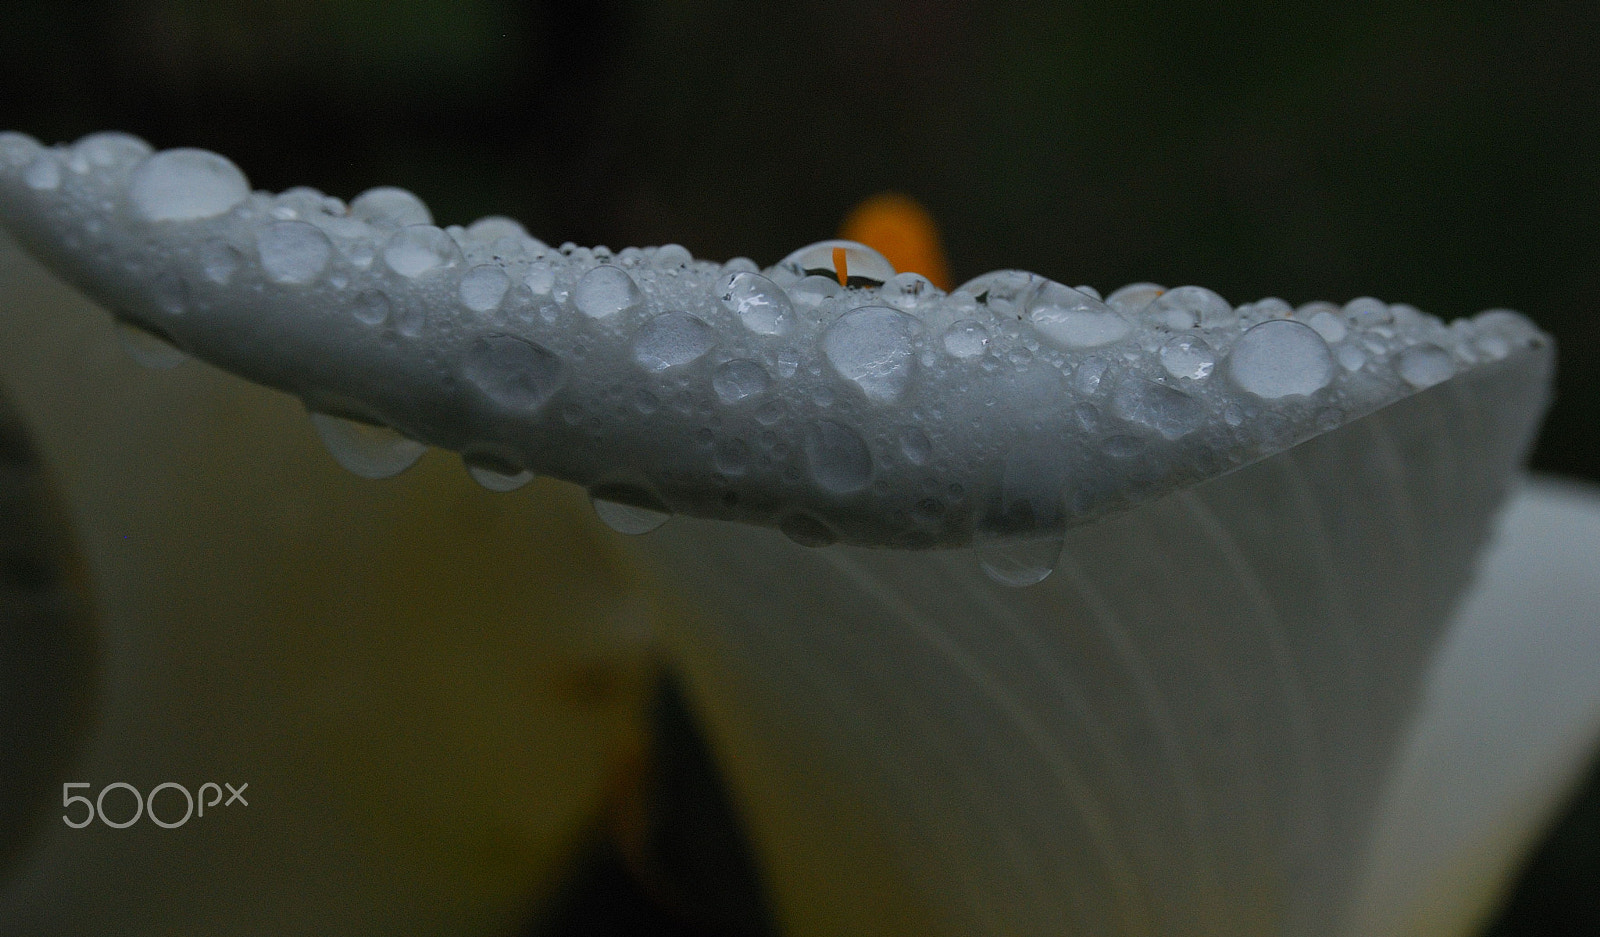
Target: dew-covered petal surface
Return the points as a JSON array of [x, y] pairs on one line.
[[1187, 729], [644, 367]]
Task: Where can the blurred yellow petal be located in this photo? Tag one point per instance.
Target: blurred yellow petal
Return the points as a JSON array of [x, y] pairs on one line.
[[899, 228]]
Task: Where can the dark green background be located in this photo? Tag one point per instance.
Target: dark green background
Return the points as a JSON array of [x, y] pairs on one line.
[[1443, 154]]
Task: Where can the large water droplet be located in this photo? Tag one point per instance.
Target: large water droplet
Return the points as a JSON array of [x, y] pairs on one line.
[[628, 510], [1130, 299], [758, 302], [966, 339], [419, 249], [484, 287], [1003, 291], [1280, 358], [1425, 365], [1071, 319], [848, 263], [1329, 325], [605, 291], [186, 185], [670, 340], [1167, 410], [735, 380], [672, 255], [839, 460], [389, 207], [371, 307], [293, 252], [147, 348], [513, 373], [871, 347], [1188, 358], [110, 148], [1020, 563], [1187, 307], [1365, 311], [364, 449]]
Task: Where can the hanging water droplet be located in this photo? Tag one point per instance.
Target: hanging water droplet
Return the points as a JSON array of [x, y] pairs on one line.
[[483, 287], [390, 207], [148, 349], [839, 461], [1020, 563], [759, 303], [670, 340], [740, 378], [1070, 319], [419, 249], [1280, 358], [186, 185], [494, 474], [966, 339], [293, 252], [1188, 358], [806, 531], [848, 263], [871, 347], [605, 291], [628, 510], [1425, 365], [364, 449], [513, 373]]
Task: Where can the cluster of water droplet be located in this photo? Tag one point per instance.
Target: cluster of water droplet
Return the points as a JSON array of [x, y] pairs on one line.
[[827, 395]]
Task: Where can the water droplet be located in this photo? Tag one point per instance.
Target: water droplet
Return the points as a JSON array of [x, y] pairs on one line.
[[293, 252], [966, 339], [148, 349], [1365, 311], [1167, 410], [1351, 358], [1280, 358], [1188, 307], [739, 265], [759, 303], [1131, 299], [916, 446], [606, 291], [390, 207], [219, 261], [43, 174], [1070, 319], [1188, 358], [371, 307], [806, 531], [494, 474], [186, 185], [670, 340], [628, 510], [171, 293], [1020, 563], [838, 459], [871, 347], [812, 291], [672, 255], [364, 449], [17, 149], [861, 265], [731, 456], [1088, 375], [1425, 365], [1003, 291], [419, 249], [1329, 326], [735, 380], [513, 373], [541, 278], [908, 290], [484, 287]]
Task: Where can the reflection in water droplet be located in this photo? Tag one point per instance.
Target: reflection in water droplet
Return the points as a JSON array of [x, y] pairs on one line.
[[364, 449], [147, 348], [1020, 563], [862, 266], [759, 303], [631, 516], [606, 291]]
